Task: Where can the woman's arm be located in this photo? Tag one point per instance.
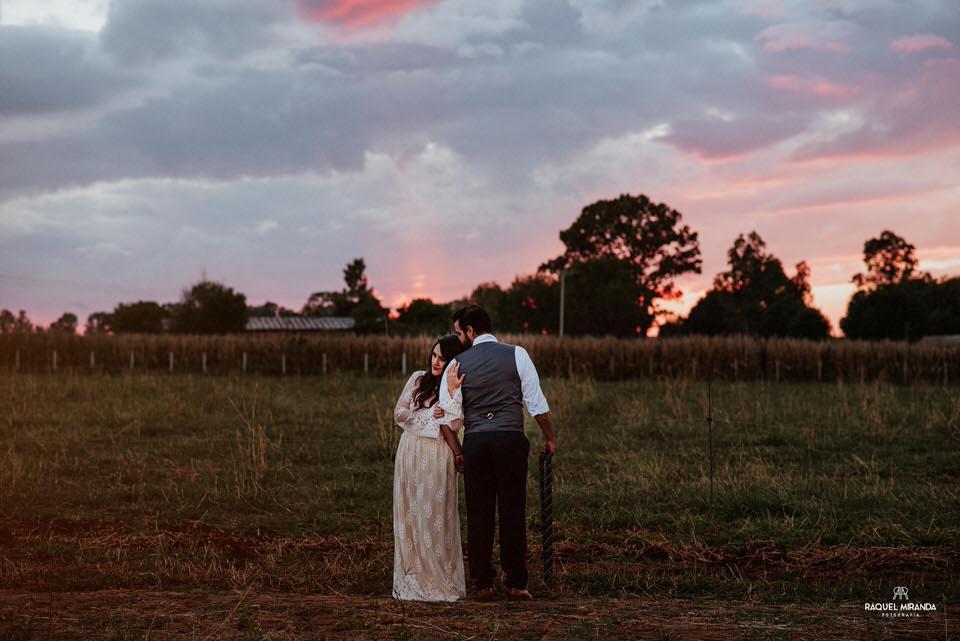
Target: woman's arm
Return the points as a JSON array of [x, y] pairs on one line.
[[402, 413], [451, 438]]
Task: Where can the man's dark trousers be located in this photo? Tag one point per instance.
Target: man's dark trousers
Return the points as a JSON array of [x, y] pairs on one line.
[[495, 479]]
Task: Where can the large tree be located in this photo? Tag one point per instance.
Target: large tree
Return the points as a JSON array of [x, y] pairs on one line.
[[895, 301], [423, 316], [19, 324], [889, 258], [66, 324], [602, 297], [211, 308], [7, 321], [648, 237], [907, 310], [271, 310], [99, 323], [532, 305], [755, 296], [142, 317], [356, 300]]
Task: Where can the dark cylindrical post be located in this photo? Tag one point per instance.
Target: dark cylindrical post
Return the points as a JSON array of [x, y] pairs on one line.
[[710, 429], [546, 514]]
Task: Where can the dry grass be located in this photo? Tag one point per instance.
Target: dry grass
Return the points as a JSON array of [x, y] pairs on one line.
[[190, 490], [738, 358]]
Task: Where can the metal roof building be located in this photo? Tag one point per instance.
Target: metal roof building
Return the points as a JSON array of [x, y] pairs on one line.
[[300, 324]]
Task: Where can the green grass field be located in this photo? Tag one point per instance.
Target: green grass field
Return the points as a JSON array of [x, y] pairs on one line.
[[156, 506]]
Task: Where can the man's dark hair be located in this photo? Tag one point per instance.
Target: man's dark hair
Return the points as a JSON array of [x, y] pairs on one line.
[[475, 317]]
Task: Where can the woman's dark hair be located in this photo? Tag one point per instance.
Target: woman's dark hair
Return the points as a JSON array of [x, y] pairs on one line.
[[475, 317], [429, 385]]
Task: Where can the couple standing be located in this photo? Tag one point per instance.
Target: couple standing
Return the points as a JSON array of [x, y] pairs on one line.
[[481, 384]]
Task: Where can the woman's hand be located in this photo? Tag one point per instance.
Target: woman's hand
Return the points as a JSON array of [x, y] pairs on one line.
[[453, 381], [458, 463], [438, 411]]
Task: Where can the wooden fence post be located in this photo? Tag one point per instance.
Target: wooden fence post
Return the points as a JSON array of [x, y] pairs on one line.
[[324, 361], [171, 362], [283, 364], [92, 361], [403, 366], [776, 369], [366, 363], [18, 361], [820, 367], [244, 362], [131, 360], [204, 362], [54, 360]]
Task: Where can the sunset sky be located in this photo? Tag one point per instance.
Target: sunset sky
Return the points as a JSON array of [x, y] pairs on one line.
[[269, 142]]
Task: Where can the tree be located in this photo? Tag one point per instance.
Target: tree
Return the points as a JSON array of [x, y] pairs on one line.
[[211, 308], [895, 311], [906, 310], [423, 316], [66, 324], [99, 323], [19, 324], [271, 310], [755, 296], [889, 259], [604, 298], [326, 304], [142, 317], [491, 297], [357, 300], [646, 236], [7, 321], [532, 305]]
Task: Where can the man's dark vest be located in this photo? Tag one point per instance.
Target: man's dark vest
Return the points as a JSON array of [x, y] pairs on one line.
[[492, 394]]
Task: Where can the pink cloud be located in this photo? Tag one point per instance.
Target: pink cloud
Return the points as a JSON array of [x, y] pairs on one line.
[[920, 42], [816, 36], [356, 13], [920, 118], [813, 86], [802, 42]]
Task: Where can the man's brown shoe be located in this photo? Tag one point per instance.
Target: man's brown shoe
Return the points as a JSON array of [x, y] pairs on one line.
[[486, 594], [518, 595]]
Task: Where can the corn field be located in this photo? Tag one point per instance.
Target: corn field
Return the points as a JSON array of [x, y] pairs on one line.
[[736, 358]]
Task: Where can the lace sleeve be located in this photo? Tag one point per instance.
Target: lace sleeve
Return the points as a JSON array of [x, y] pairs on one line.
[[452, 404], [404, 416]]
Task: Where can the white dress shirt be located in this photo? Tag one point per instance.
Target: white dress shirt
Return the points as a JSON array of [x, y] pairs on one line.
[[529, 382]]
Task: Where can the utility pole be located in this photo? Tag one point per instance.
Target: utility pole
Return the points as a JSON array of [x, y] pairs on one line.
[[563, 279]]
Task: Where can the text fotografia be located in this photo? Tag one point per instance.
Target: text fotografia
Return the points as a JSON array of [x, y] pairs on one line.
[[901, 606]]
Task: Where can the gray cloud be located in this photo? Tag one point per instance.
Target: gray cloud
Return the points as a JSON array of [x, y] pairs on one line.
[[150, 31], [284, 137], [44, 70]]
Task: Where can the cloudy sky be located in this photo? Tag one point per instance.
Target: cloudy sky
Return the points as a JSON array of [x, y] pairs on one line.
[[268, 142]]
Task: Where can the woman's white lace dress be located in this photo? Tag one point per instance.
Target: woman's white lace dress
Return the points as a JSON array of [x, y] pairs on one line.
[[428, 556]]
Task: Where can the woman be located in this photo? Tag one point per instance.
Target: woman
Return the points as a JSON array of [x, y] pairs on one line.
[[428, 557]]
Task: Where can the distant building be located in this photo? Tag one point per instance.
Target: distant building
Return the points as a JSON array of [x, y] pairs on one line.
[[300, 324]]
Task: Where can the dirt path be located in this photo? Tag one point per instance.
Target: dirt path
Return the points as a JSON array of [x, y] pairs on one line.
[[155, 615]]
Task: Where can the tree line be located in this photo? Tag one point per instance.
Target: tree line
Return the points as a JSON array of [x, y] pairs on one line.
[[621, 261]]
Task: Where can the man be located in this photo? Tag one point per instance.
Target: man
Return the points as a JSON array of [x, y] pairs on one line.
[[496, 380]]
